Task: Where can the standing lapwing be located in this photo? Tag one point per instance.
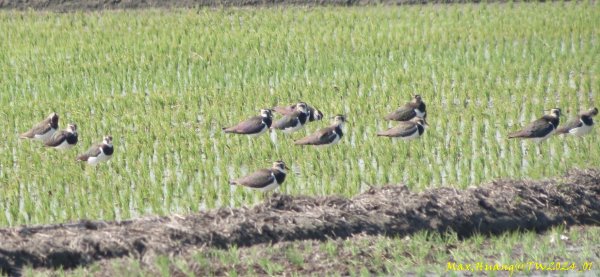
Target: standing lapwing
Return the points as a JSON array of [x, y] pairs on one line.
[[540, 129], [415, 108], [264, 179], [580, 126], [254, 126], [99, 152], [406, 130], [294, 121], [326, 136], [63, 139], [43, 130], [313, 113]]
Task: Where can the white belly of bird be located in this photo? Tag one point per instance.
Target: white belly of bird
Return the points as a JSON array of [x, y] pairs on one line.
[[45, 136], [264, 129], [581, 131], [270, 186], [64, 145], [419, 113], [96, 160], [293, 128]]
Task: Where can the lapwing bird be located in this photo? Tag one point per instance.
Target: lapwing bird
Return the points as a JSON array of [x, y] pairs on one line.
[[264, 179], [326, 136], [99, 152], [293, 122], [63, 139], [43, 130], [580, 126], [254, 126], [406, 130], [415, 108], [313, 113], [540, 129]]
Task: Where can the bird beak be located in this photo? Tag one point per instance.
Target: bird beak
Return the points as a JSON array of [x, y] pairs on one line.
[[286, 167], [425, 122]]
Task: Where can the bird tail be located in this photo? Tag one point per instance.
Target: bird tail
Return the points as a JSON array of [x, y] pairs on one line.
[[515, 135], [561, 131], [301, 142]]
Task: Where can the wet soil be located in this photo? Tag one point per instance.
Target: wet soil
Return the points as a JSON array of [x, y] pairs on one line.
[[393, 210]]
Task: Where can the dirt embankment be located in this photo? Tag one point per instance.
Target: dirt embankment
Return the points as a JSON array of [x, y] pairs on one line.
[[87, 5], [391, 210]]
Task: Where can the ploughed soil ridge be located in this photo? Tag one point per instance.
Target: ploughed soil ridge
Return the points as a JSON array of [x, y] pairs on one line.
[[393, 210]]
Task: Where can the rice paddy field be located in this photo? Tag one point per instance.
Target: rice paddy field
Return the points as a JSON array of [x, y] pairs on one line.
[[164, 82]]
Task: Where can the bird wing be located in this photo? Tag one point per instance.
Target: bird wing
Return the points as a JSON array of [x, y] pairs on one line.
[[314, 113], [287, 121], [403, 129], [93, 151], [252, 125], [258, 179], [40, 128], [57, 138], [322, 136], [285, 110], [536, 129], [575, 123], [403, 113]]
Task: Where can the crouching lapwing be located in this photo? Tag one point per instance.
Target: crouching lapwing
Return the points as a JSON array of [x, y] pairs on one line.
[[540, 129], [580, 126], [63, 139], [43, 130], [294, 121], [264, 179], [415, 108], [254, 126], [313, 113], [99, 152], [326, 136], [406, 130]]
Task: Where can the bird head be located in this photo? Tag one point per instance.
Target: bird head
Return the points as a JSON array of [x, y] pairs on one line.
[[108, 140], [302, 107], [339, 120], [53, 120], [72, 128], [280, 166], [419, 120], [318, 115], [417, 99], [266, 113]]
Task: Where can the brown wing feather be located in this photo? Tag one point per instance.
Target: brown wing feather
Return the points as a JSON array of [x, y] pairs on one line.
[[93, 151], [57, 138], [538, 128], [319, 137], [403, 129], [403, 113], [38, 129], [256, 179], [252, 125]]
